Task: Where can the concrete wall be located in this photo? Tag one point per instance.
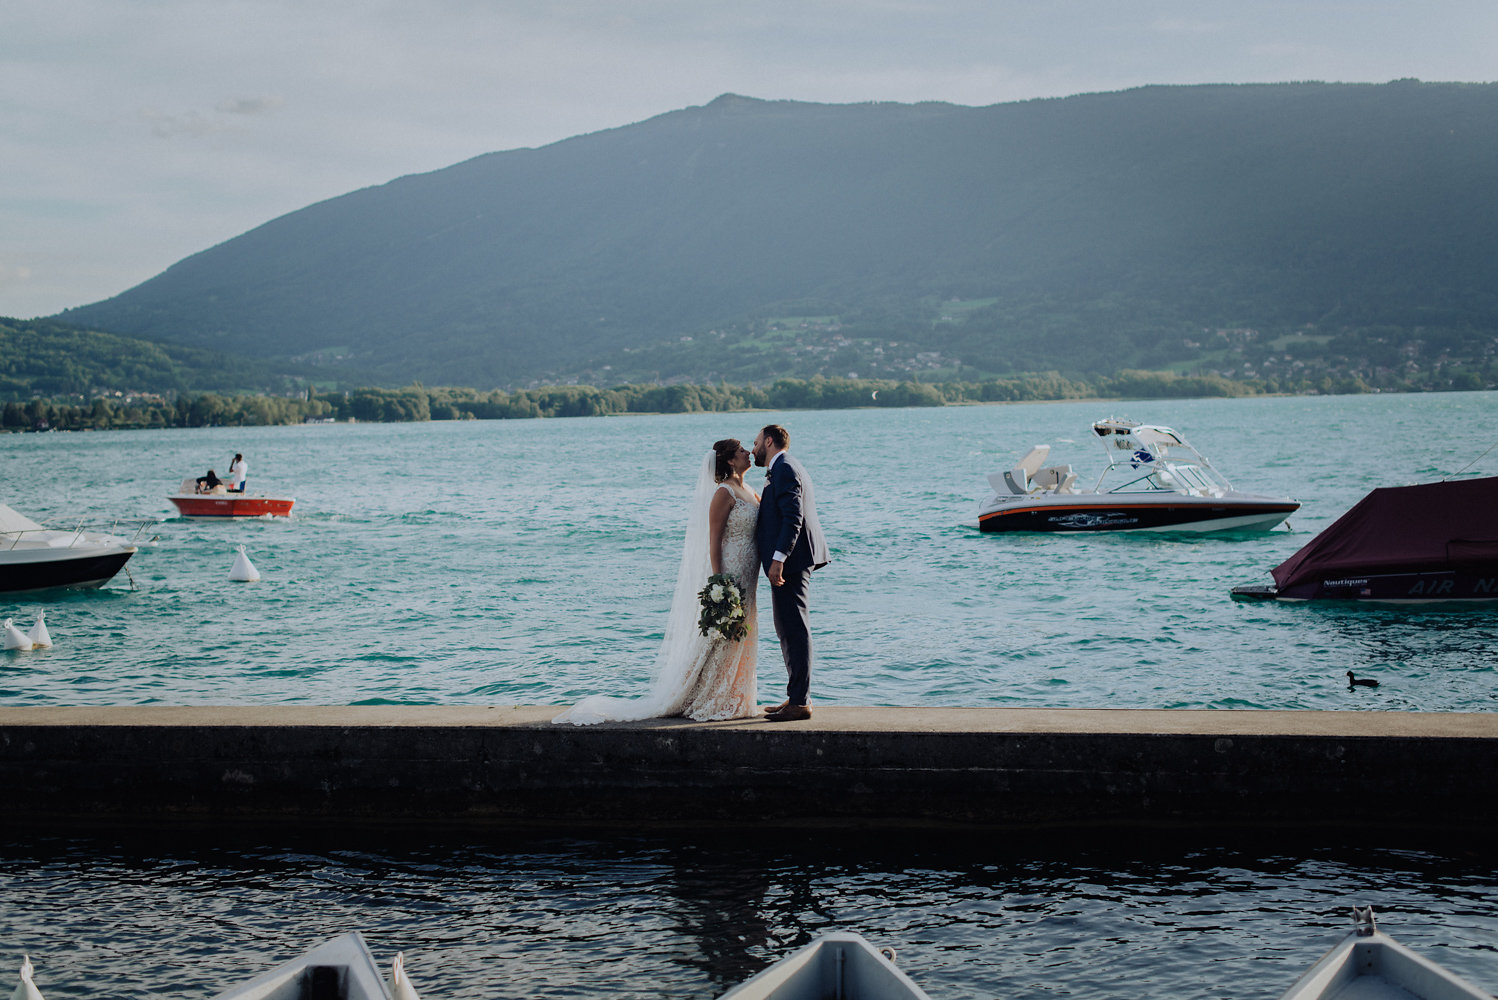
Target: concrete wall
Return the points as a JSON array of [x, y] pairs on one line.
[[75, 767]]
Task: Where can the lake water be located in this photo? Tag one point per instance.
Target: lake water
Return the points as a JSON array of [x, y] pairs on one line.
[[531, 561], [1001, 916]]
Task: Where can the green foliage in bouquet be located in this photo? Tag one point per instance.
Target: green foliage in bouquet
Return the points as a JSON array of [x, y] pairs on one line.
[[722, 608]]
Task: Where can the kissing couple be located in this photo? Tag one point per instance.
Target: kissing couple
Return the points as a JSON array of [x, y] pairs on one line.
[[700, 672]]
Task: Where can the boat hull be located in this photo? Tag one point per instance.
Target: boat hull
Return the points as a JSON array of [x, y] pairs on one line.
[[835, 965], [1057, 513], [72, 570], [341, 968], [1376, 967], [231, 505], [1446, 583]]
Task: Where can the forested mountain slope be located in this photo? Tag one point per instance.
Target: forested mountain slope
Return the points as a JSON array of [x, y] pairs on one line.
[[1160, 226]]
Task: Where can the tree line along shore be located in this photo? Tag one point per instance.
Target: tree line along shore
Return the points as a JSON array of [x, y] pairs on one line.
[[416, 403]]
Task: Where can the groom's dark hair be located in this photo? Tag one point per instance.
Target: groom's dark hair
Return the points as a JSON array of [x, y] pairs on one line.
[[778, 435]]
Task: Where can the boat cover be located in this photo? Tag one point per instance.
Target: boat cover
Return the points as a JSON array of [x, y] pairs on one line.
[[1430, 525]]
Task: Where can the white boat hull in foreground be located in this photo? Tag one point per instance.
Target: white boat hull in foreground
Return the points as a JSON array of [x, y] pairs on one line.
[[339, 969], [833, 967], [1370, 965]]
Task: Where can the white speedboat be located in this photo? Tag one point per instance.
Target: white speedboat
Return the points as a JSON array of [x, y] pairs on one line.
[[36, 558], [1154, 481], [339, 969], [1370, 965], [841, 966]]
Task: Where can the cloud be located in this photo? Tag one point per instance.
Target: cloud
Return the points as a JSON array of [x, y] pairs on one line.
[[196, 124], [190, 123], [1186, 26], [250, 105], [18, 274]]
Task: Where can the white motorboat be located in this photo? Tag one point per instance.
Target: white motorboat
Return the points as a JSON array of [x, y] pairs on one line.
[[833, 967], [1154, 481], [338, 969], [36, 558], [1370, 965]]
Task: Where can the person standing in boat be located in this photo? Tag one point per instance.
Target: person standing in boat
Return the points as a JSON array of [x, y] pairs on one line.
[[239, 473]]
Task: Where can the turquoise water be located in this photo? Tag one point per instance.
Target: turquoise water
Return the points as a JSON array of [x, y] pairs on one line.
[[531, 562]]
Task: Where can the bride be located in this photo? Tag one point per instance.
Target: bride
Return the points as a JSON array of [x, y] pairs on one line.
[[702, 677]]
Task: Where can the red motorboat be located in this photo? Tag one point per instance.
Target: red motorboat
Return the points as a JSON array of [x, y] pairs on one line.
[[220, 501]]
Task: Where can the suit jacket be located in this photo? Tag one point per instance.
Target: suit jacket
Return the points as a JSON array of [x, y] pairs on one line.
[[788, 519]]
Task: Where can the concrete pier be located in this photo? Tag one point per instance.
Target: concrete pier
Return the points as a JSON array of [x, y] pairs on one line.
[[976, 768]]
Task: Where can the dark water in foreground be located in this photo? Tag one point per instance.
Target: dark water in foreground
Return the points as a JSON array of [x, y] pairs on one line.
[[1001, 916]]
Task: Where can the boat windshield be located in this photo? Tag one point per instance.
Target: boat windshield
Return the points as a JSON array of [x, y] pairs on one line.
[[1145, 458]]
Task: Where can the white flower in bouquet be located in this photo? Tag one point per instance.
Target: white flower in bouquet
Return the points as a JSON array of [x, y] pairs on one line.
[[722, 608]]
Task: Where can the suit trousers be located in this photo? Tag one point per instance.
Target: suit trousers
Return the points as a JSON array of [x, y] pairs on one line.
[[793, 627]]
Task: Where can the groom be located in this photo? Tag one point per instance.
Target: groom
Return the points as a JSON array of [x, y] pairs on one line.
[[791, 545]]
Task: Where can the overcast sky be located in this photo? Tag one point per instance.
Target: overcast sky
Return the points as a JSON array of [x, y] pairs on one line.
[[136, 132]]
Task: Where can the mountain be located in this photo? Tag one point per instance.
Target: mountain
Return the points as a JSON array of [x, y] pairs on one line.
[[49, 359], [1179, 226]]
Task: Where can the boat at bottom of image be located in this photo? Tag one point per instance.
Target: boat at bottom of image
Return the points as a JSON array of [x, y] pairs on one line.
[[841, 966], [1154, 481], [33, 557], [223, 502], [1430, 542], [339, 969], [1369, 965], [1365, 965]]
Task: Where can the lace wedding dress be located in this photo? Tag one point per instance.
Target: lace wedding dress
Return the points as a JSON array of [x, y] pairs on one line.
[[701, 677]]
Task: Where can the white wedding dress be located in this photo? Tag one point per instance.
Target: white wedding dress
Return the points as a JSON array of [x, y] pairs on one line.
[[701, 677]]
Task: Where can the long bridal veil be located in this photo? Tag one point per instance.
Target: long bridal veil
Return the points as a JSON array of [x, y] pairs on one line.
[[677, 662]]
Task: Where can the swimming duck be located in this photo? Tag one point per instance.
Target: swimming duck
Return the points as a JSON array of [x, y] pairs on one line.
[[1360, 681]]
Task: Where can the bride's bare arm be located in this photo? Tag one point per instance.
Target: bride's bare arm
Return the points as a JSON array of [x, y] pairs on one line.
[[717, 520]]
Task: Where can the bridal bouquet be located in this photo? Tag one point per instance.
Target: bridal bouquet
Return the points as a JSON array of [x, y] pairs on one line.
[[722, 608]]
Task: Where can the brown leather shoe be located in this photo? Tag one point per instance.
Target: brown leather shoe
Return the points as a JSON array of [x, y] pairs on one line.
[[778, 708], [790, 713]]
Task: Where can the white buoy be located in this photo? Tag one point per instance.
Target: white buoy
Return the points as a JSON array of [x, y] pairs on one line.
[[400, 986], [15, 638], [244, 571], [26, 989], [38, 633]]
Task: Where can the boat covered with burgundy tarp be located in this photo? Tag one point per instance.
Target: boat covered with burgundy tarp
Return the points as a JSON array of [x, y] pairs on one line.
[[1434, 541]]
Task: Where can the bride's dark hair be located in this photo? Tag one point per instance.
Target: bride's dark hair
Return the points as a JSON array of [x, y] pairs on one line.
[[725, 450]]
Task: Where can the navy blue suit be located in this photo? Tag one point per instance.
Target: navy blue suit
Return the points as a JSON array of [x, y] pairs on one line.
[[788, 523]]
